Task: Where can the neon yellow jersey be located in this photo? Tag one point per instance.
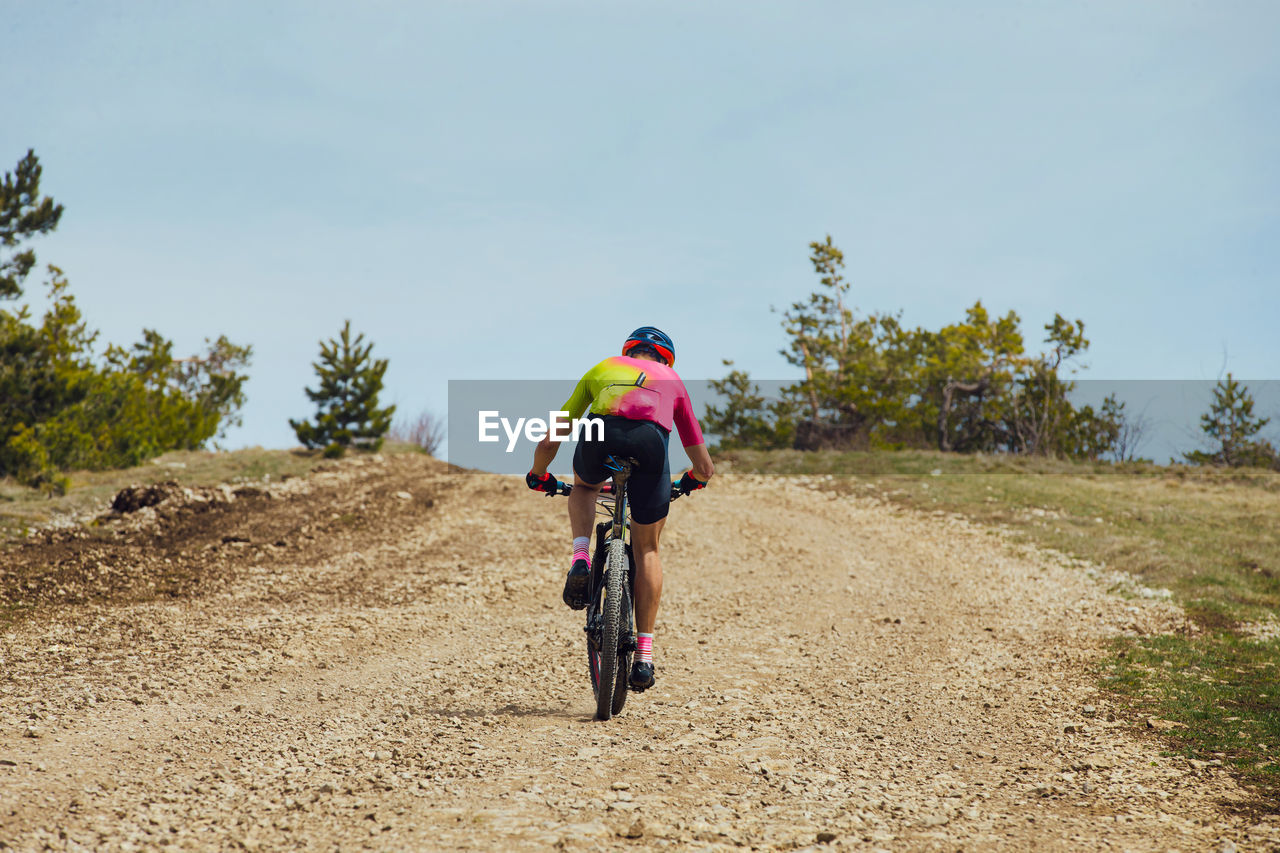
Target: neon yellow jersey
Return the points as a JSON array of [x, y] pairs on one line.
[[638, 389]]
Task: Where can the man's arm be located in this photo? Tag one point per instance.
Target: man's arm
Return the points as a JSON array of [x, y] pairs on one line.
[[691, 436], [546, 451], [703, 469]]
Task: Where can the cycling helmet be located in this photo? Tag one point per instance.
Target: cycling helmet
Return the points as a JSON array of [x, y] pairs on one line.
[[652, 337]]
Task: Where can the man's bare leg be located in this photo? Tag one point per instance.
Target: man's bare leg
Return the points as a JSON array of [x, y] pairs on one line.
[[644, 545], [582, 506]]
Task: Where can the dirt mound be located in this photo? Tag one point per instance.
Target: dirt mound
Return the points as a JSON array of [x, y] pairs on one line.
[[166, 540], [134, 498]]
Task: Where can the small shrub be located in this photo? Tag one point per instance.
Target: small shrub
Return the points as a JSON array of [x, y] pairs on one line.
[[427, 432]]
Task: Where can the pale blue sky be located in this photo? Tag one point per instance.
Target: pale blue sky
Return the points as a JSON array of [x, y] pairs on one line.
[[503, 190]]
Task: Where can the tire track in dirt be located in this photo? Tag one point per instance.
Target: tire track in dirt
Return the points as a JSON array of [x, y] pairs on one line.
[[831, 670]]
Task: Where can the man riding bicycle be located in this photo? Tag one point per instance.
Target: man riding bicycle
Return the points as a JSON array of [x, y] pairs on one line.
[[639, 397]]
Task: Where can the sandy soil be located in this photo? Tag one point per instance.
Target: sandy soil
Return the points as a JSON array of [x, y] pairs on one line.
[[377, 657]]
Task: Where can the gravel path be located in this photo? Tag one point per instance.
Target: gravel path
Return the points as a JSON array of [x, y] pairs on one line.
[[394, 670]]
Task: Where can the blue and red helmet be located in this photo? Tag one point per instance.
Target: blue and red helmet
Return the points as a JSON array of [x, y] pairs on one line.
[[655, 338]]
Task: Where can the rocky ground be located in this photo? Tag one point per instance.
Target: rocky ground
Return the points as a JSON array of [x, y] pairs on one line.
[[377, 657]]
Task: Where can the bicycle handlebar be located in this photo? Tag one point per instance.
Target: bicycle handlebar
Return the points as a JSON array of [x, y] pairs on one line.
[[563, 488]]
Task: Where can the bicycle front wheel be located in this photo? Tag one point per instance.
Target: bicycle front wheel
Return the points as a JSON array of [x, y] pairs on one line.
[[626, 630]]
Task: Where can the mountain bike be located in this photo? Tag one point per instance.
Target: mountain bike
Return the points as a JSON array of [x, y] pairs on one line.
[[610, 629]]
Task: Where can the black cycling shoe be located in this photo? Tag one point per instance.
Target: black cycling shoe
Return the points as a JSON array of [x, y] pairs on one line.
[[642, 676], [575, 585]]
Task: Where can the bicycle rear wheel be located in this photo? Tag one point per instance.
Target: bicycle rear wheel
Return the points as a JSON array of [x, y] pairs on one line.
[[604, 655]]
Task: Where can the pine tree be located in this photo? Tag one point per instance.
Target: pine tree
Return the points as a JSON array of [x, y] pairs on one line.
[[747, 419], [23, 214], [347, 400], [1231, 424]]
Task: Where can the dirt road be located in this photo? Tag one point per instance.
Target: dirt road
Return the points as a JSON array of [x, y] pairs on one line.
[[378, 658]]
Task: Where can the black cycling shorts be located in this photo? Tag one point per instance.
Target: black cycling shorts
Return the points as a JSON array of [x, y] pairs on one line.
[[649, 487]]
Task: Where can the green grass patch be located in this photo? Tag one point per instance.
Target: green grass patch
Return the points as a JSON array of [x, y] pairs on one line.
[[1210, 536], [1223, 689]]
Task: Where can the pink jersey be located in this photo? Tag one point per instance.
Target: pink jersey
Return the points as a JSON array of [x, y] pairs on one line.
[[638, 389]]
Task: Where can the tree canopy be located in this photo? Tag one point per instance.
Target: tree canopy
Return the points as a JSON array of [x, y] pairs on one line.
[[24, 213], [869, 381], [62, 404]]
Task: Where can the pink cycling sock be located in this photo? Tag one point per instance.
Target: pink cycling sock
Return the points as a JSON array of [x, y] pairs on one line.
[[580, 549], [644, 648]]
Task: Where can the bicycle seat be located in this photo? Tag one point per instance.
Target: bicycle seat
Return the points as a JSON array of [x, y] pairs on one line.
[[613, 463]]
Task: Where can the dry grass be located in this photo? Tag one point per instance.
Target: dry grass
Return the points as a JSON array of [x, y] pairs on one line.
[[91, 491], [1208, 535]]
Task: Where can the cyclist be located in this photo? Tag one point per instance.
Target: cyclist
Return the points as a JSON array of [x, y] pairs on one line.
[[639, 397]]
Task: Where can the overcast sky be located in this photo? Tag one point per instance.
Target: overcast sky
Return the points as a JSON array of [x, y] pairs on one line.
[[504, 190]]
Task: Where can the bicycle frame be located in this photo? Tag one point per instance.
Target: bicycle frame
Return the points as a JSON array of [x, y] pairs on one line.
[[616, 501], [611, 503]]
